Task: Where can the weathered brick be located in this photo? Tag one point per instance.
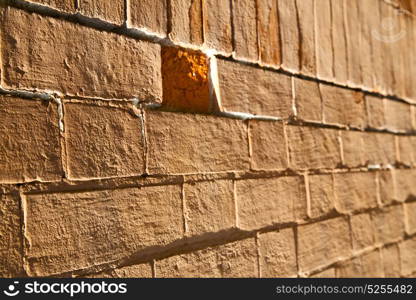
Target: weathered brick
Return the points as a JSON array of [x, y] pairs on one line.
[[405, 154], [321, 195], [125, 68], [386, 187], [404, 181], [268, 32], [362, 231], [186, 21], [311, 147], [339, 41], [149, 14], [238, 259], [410, 217], [352, 148], [109, 10], [379, 148], [245, 29], [267, 201], [367, 265], [375, 112], [270, 95], [11, 252], [306, 18], [389, 224], [64, 5], [391, 261], [324, 49], [366, 19], [378, 54], [328, 273], [209, 206], [289, 33], [398, 117], [353, 30], [102, 141], [321, 243], [268, 145], [308, 99], [343, 106], [29, 143], [407, 256], [277, 254], [134, 271], [355, 191], [222, 143], [98, 227], [217, 25]]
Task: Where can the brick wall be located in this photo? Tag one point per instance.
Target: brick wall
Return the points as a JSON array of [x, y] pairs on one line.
[[207, 138]]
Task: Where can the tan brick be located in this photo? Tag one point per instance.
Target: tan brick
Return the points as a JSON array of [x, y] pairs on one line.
[[328, 273], [321, 243], [311, 147], [321, 194], [389, 224], [64, 5], [149, 14], [405, 153], [324, 49], [217, 25], [289, 33], [404, 181], [114, 66], [352, 148], [306, 16], [386, 187], [362, 231], [268, 201], [238, 259], [98, 227], [339, 41], [270, 95], [245, 29], [172, 138], [134, 271], [278, 254], [102, 141], [186, 21], [268, 32], [366, 19], [410, 217], [29, 143], [398, 117], [11, 252], [268, 145], [367, 265], [308, 99], [407, 256], [209, 206], [378, 55], [353, 30], [375, 112], [391, 261], [109, 10], [343, 106], [379, 148], [355, 191]]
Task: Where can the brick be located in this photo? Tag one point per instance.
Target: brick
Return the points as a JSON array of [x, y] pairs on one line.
[[375, 112], [324, 49], [127, 68], [278, 254], [321, 243], [209, 206], [11, 252], [343, 106], [407, 256], [328, 273], [289, 33], [99, 226], [391, 261], [268, 201], [379, 148], [308, 99], [306, 18], [102, 141], [386, 187], [217, 25], [398, 117], [222, 143], [389, 224], [410, 217], [367, 23], [268, 32], [268, 145], [353, 31], [355, 191], [378, 55], [64, 5], [238, 259], [245, 29], [404, 184], [271, 95], [405, 153], [134, 271], [314, 148], [362, 231], [29, 143], [352, 148], [186, 21], [367, 265], [149, 14], [339, 41], [109, 10], [321, 195]]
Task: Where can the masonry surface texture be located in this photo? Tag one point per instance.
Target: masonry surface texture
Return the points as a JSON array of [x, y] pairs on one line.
[[208, 138]]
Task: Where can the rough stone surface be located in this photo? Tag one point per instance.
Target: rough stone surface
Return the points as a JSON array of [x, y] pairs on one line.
[[324, 48], [367, 265], [217, 25], [306, 17], [245, 29], [389, 224], [398, 117], [379, 148], [391, 261], [386, 186], [352, 27], [134, 271], [406, 153], [362, 231], [289, 32], [375, 112], [321, 195], [149, 14], [410, 217], [404, 185], [308, 100], [109, 10], [186, 21], [339, 41], [407, 256], [353, 148]]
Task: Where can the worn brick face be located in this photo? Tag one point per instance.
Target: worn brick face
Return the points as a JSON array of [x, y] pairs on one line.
[[410, 217], [353, 148], [362, 231], [308, 100], [407, 251], [186, 21], [386, 187], [289, 32], [367, 265], [324, 52], [391, 261], [245, 29], [217, 25], [339, 41], [404, 184], [375, 112], [321, 195], [134, 271], [110, 10], [398, 117], [389, 224], [306, 18], [149, 14], [379, 148]]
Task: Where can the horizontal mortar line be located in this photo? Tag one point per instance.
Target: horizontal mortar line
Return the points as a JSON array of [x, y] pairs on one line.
[[399, 8], [144, 34]]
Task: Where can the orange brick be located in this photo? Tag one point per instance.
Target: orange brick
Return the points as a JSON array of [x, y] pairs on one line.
[[64, 5], [352, 148], [389, 224], [102, 141], [379, 148], [109, 10], [398, 117], [321, 195], [362, 231], [270, 95], [217, 25], [289, 33], [405, 188], [308, 99], [245, 29], [323, 35], [386, 187], [98, 227], [186, 21], [209, 206], [407, 256], [29, 144], [277, 254], [306, 16], [238, 259], [410, 217], [172, 138], [339, 41], [149, 14], [127, 68], [268, 145], [375, 112], [367, 265], [134, 271], [391, 261], [268, 201]]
